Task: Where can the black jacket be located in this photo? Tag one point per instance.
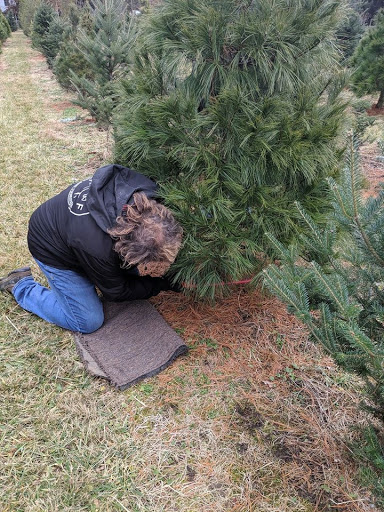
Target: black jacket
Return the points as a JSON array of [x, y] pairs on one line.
[[69, 232]]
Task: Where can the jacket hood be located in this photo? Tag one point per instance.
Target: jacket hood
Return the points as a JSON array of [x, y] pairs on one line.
[[111, 187]]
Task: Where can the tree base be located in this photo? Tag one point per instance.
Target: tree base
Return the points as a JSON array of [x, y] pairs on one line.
[[375, 110]]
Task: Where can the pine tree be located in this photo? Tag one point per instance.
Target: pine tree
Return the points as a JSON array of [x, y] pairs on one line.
[[232, 107], [107, 50], [369, 61], [338, 289]]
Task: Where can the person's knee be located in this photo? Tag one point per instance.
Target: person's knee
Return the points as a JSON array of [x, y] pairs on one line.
[[92, 323]]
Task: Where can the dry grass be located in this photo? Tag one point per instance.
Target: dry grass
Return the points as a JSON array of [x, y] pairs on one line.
[[254, 419]]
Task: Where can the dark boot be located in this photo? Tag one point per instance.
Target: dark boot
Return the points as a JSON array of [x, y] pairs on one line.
[[7, 283]]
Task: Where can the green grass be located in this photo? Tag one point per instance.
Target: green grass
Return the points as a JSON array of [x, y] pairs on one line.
[[212, 433]]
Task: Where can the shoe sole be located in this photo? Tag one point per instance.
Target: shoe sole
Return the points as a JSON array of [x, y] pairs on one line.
[[6, 282], [17, 270]]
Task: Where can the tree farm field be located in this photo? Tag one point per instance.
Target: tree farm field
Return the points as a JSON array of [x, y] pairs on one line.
[[254, 418]]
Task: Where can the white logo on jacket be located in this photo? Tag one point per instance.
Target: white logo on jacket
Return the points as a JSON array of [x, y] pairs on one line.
[[77, 198]]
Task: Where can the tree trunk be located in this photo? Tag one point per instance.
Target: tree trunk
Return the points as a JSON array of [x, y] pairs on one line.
[[380, 101]]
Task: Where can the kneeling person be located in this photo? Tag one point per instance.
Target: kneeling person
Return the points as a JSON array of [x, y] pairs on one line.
[[107, 232]]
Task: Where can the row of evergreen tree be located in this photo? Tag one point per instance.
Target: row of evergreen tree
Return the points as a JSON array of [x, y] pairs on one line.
[[88, 49]]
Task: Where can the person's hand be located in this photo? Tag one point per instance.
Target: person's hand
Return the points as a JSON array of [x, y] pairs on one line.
[[175, 287], [166, 284]]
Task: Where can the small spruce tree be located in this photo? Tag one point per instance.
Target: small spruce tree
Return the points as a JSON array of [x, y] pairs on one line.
[[70, 58], [42, 20], [232, 107], [335, 285], [369, 61], [107, 51], [57, 33], [334, 281]]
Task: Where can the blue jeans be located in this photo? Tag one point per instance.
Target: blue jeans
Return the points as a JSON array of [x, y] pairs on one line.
[[71, 301]]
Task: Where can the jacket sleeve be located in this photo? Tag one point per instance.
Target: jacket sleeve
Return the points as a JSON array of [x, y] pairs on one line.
[[117, 284]]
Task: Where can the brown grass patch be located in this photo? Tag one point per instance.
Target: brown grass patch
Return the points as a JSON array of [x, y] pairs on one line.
[[38, 57], [61, 105]]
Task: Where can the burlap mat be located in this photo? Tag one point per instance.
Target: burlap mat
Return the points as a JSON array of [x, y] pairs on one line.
[[135, 342]]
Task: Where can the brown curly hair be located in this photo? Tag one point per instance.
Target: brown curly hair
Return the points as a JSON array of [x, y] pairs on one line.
[[147, 234]]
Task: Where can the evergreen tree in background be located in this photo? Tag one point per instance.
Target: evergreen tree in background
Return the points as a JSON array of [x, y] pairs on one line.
[[5, 29], [232, 107], [351, 30], [13, 6], [107, 51], [338, 289], [49, 30], [58, 32], [369, 61], [12, 20], [42, 20], [70, 59], [27, 9]]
